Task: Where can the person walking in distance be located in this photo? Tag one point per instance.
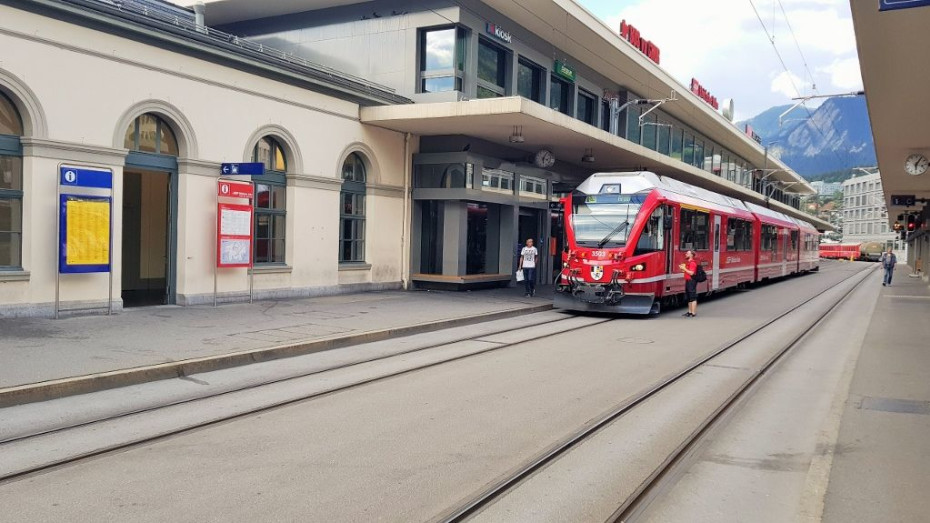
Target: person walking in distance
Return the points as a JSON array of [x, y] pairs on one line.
[[888, 262], [528, 265], [689, 268]]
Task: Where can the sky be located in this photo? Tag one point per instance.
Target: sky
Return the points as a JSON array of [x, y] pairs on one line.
[[722, 44]]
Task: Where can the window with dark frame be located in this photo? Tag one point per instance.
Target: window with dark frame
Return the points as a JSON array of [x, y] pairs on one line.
[[149, 133], [11, 186], [560, 93], [693, 232], [270, 202], [442, 59], [529, 80], [492, 70], [587, 107], [739, 235], [352, 210], [605, 115]]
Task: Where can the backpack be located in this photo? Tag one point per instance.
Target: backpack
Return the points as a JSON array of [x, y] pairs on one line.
[[699, 275]]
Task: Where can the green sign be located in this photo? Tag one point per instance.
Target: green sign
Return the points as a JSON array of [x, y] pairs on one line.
[[564, 71]]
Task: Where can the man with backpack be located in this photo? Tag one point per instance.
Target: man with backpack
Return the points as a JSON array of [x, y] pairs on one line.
[[693, 274]]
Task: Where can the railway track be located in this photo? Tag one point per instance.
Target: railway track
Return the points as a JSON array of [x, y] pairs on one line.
[[11, 445], [630, 508]]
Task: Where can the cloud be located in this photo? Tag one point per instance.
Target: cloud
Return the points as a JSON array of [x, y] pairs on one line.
[[844, 73], [726, 48]]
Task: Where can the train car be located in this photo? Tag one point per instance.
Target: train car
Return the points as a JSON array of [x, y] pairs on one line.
[[777, 238], [809, 254], [840, 251], [627, 233], [871, 251]]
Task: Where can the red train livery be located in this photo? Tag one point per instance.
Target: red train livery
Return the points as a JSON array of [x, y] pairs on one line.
[[627, 233]]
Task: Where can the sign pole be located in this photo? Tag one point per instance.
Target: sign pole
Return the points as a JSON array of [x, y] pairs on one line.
[[216, 247], [57, 247]]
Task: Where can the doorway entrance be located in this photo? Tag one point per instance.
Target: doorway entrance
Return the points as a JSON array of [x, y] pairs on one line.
[[146, 271]]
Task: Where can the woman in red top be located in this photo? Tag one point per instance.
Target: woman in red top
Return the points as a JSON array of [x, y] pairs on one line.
[[689, 268]]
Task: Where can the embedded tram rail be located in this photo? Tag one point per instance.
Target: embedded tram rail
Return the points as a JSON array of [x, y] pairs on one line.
[[633, 506], [13, 445]]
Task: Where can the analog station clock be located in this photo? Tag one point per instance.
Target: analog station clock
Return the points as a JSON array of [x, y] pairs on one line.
[[544, 159], [916, 164]]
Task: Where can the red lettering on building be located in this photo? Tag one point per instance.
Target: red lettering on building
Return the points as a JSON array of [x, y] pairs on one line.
[[704, 94], [632, 35]]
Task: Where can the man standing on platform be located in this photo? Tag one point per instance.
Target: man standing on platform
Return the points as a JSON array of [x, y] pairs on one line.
[[888, 262], [528, 265]]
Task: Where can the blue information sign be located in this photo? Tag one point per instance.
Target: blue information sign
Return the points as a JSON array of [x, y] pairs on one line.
[[232, 169], [74, 177], [887, 5]]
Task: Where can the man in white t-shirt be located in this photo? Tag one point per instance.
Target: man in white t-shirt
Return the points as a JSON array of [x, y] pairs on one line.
[[528, 257]]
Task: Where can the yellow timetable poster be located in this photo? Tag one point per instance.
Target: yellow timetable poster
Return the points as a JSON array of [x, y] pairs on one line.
[[88, 232]]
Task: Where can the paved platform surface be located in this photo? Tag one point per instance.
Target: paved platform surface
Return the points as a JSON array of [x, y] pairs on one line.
[[34, 350], [881, 463]]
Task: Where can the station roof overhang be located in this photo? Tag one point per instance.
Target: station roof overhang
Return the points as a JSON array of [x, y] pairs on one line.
[[893, 48], [494, 120]]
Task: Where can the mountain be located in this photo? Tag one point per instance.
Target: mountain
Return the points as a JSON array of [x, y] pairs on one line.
[[836, 137]]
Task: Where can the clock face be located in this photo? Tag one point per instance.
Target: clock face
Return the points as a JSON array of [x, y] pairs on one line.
[[916, 164], [544, 159]]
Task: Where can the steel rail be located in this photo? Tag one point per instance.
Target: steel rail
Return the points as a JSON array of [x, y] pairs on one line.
[[636, 505], [265, 408], [554, 452]]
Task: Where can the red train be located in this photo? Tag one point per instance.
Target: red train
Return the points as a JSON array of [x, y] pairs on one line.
[[626, 234], [869, 251]]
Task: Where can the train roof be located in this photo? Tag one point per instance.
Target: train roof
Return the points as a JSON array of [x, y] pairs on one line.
[[637, 181], [771, 216]]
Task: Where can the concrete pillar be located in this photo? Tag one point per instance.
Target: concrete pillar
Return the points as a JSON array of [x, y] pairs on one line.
[[509, 221]]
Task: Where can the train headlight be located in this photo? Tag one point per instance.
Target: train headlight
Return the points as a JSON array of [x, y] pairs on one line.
[[638, 267], [565, 265]]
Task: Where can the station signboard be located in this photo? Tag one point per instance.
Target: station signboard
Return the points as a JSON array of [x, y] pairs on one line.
[[234, 224], [85, 220], [888, 5]]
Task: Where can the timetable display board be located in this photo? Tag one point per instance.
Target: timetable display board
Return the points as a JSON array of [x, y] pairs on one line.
[[234, 224], [84, 234]]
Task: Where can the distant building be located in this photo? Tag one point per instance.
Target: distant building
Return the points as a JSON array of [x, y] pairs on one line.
[[865, 218], [827, 189]]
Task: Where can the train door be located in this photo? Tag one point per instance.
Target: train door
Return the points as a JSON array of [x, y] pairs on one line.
[[784, 251], [667, 235], [715, 283]]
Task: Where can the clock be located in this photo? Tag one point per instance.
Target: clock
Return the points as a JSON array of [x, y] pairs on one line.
[[544, 159], [916, 164]]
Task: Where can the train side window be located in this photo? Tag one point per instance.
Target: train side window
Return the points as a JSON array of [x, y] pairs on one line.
[[794, 240], [652, 238], [769, 238], [693, 232], [739, 235]]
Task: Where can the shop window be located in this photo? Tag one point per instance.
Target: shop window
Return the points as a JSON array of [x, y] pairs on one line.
[[648, 131], [739, 235], [352, 211], [529, 80], [698, 154], [693, 234], [270, 202], [149, 133], [587, 104], [632, 123], [560, 93], [497, 180], [688, 149], [531, 186], [476, 239], [11, 186], [492, 70], [442, 59]]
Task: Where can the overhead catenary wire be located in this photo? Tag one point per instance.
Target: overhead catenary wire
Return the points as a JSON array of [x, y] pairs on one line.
[[810, 116], [798, 45]]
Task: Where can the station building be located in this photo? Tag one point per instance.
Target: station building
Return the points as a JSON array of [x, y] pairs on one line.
[[865, 218], [404, 143]]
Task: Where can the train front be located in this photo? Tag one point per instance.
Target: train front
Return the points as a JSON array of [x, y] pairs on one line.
[[601, 259]]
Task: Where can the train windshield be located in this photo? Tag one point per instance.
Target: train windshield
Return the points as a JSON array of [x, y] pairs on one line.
[[604, 220]]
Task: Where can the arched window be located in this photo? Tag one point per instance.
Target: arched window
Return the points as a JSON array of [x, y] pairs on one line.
[[352, 210], [270, 208], [11, 186], [149, 133]]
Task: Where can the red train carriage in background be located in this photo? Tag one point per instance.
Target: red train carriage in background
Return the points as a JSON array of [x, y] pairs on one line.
[[627, 233], [836, 251]]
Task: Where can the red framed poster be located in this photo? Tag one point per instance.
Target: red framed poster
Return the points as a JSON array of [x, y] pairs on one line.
[[234, 226]]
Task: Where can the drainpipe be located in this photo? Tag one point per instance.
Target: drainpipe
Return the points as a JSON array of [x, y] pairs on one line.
[[199, 10], [404, 247]]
